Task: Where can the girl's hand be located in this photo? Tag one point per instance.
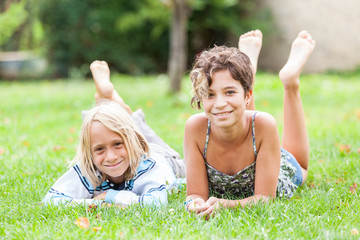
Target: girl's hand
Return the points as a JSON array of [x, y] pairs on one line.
[[197, 205], [214, 205], [100, 197]]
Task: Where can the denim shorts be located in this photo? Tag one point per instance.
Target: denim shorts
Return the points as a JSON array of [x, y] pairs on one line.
[[298, 178]]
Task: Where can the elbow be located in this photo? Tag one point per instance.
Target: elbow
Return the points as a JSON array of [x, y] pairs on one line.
[[149, 200], [263, 198]]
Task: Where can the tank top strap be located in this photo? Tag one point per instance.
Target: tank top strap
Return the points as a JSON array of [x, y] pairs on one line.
[[253, 134], [207, 140]]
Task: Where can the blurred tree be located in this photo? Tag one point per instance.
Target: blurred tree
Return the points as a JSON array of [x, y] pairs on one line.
[[130, 35], [133, 36], [210, 21], [178, 42], [20, 28]]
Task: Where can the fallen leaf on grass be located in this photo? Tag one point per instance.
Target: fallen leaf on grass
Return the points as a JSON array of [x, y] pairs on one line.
[[353, 188], [96, 228], [265, 103], [358, 150], [82, 223], [149, 104], [185, 115], [345, 148], [98, 217], [2, 151], [91, 208], [357, 112], [340, 180], [58, 148], [354, 232], [72, 130], [311, 185], [6, 121]]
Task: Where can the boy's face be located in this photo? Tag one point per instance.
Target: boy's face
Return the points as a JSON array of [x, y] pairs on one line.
[[109, 152], [226, 101]]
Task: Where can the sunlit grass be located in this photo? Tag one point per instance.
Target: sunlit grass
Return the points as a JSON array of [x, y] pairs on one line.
[[39, 128]]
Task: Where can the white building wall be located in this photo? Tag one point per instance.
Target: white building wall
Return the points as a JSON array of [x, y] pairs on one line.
[[334, 24]]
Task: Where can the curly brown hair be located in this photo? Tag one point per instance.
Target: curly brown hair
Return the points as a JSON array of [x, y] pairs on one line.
[[214, 60]]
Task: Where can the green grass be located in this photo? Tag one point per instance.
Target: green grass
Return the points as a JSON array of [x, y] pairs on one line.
[[39, 128]]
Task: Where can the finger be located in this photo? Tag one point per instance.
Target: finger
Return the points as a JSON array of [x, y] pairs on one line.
[[199, 201], [206, 212], [198, 208], [212, 200]]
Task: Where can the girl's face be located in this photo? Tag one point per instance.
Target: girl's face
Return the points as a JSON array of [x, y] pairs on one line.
[[109, 152], [226, 101]]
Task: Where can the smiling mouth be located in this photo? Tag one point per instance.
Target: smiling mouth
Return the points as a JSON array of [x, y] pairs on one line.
[[113, 165], [222, 114]]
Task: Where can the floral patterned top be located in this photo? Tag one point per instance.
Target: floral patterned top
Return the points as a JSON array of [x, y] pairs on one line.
[[242, 184]]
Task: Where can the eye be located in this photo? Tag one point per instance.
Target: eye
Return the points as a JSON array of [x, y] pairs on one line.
[[210, 94], [118, 144], [98, 150], [230, 92]]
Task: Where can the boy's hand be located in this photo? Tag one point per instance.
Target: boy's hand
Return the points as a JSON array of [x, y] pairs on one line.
[[101, 196]]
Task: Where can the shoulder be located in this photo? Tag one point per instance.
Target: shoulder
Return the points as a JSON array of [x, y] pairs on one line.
[[195, 131], [198, 118], [155, 166], [265, 125], [146, 166], [196, 122], [152, 173], [263, 120]]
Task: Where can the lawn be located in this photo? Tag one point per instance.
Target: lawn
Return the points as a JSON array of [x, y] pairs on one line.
[[39, 129]]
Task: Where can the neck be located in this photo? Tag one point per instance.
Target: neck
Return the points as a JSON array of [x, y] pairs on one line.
[[116, 180], [231, 135]]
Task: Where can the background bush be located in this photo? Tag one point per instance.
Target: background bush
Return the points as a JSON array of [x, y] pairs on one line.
[[133, 36]]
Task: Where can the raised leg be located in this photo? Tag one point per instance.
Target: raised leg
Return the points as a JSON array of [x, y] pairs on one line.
[[295, 137], [104, 88], [250, 43]]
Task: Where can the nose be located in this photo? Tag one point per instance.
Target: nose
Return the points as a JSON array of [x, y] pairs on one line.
[[220, 101], [110, 154]]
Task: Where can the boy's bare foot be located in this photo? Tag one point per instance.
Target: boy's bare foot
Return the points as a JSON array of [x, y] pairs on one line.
[[250, 43], [301, 50], [101, 74]]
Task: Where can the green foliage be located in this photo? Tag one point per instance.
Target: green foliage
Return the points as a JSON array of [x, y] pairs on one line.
[[122, 32], [11, 20], [133, 36], [36, 145], [221, 22], [20, 27]]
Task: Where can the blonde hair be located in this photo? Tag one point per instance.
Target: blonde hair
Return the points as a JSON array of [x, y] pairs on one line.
[[214, 60], [116, 119]]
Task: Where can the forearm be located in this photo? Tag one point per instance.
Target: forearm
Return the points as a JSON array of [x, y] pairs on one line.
[[62, 200], [245, 202], [194, 196]]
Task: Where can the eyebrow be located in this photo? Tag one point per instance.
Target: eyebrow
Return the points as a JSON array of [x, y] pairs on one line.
[[96, 146], [226, 88]]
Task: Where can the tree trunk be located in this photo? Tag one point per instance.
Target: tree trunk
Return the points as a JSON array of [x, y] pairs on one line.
[[178, 44]]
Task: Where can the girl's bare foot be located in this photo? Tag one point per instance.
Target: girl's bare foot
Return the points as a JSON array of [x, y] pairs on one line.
[[250, 43], [301, 50], [101, 74]]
